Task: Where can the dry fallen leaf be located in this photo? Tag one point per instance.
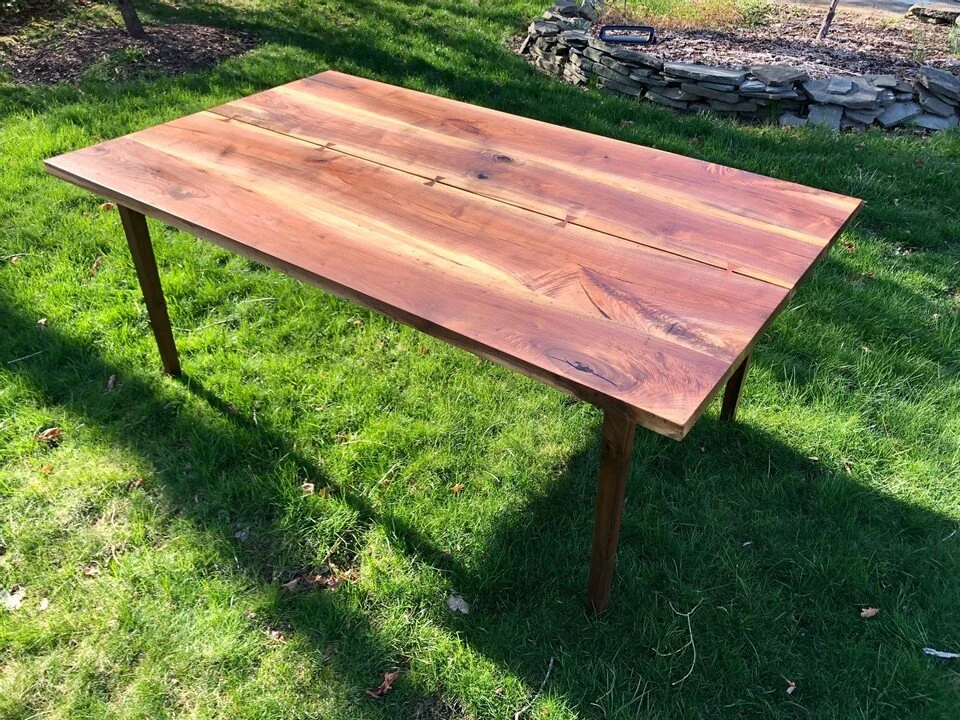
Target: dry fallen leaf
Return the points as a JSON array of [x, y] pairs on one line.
[[137, 482], [14, 260], [384, 687], [292, 585], [457, 604], [50, 436], [111, 383], [46, 469], [457, 489], [95, 268], [791, 686], [275, 634], [307, 488], [869, 612], [42, 322], [91, 570], [12, 600], [44, 604], [107, 206]]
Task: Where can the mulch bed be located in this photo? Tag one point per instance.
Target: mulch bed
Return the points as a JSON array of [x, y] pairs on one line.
[[859, 43], [168, 49]]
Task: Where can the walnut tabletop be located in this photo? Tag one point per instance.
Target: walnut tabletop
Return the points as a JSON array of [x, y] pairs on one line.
[[634, 279]]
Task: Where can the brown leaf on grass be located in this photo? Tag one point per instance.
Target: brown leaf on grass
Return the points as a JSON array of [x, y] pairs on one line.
[[91, 570], [276, 634], [95, 268], [291, 586], [46, 469], [457, 489], [791, 686], [307, 488], [137, 482], [107, 206], [848, 246], [869, 612], [384, 687], [14, 260], [50, 436], [111, 383]]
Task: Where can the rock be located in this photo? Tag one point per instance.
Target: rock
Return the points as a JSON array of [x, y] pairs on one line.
[[700, 90], [861, 96], [635, 57], [739, 107], [898, 112], [932, 104], [839, 85], [709, 73], [542, 28], [590, 11], [649, 80], [941, 82], [675, 93], [883, 81], [827, 116], [656, 97], [633, 89], [753, 86], [791, 120], [778, 75], [722, 87], [616, 65], [864, 117], [934, 122], [771, 93], [937, 12], [570, 8], [574, 38], [594, 54]]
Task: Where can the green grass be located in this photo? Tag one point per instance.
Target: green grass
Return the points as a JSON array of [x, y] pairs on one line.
[[837, 490]]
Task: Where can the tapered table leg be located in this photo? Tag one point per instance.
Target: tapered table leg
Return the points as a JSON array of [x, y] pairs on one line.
[[731, 395], [138, 238], [616, 445]]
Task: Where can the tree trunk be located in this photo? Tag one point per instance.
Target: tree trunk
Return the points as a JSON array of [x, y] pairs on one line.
[[825, 27], [131, 20]]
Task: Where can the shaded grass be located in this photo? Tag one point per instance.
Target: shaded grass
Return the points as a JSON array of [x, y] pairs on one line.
[[285, 384]]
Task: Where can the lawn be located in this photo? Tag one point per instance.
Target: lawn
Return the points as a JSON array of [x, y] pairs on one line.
[[153, 541]]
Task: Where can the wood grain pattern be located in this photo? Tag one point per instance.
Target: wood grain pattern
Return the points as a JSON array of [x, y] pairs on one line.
[[581, 266]]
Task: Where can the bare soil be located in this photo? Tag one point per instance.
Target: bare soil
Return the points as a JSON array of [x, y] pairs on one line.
[[167, 49], [860, 43]]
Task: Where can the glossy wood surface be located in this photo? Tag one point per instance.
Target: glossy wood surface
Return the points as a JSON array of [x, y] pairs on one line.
[[632, 278]]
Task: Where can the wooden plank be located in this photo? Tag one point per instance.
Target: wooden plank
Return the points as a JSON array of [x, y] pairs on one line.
[[576, 181], [660, 384], [616, 446], [588, 273], [731, 394]]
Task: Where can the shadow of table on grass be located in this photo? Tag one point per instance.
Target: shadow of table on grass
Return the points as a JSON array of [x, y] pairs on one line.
[[777, 553]]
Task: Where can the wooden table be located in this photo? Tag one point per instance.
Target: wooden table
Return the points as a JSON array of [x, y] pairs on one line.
[[631, 278]]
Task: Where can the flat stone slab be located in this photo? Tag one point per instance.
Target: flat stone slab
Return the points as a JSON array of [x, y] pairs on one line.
[[778, 75], [860, 97], [932, 104], [934, 122], [828, 116], [792, 120], [699, 89], [839, 85], [898, 112], [938, 12], [692, 71], [941, 82]]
